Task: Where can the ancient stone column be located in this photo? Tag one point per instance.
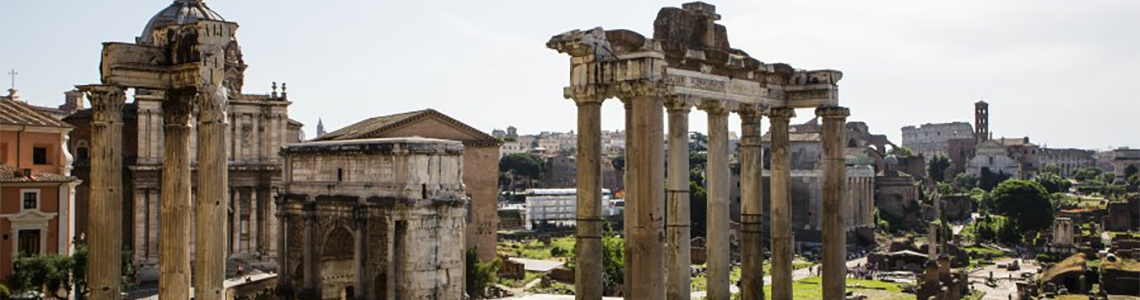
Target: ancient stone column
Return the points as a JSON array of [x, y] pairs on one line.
[[678, 234], [588, 273], [781, 204], [284, 287], [105, 215], [629, 214], [647, 159], [210, 214], [174, 250], [751, 205], [310, 261], [834, 188], [719, 182], [360, 254]]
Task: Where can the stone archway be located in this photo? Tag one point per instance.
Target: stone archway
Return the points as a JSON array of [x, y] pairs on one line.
[[336, 263]]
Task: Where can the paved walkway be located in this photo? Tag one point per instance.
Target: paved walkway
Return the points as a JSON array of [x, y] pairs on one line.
[[1005, 286]]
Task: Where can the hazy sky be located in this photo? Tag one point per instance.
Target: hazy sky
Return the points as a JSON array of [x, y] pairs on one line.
[[1064, 72]]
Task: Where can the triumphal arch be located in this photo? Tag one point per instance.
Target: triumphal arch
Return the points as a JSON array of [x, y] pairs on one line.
[[688, 62], [186, 64]]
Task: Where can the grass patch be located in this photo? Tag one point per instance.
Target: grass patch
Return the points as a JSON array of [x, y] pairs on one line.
[[810, 289], [535, 249], [517, 283]]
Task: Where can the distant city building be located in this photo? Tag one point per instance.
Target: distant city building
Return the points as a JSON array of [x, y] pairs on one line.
[[559, 206], [37, 190], [992, 156], [320, 128], [72, 101], [934, 139], [1067, 161]]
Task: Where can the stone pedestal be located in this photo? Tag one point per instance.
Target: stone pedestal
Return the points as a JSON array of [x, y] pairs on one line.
[[719, 182], [174, 248], [589, 224], [678, 234], [751, 206], [781, 204], [834, 186], [105, 213], [210, 213]]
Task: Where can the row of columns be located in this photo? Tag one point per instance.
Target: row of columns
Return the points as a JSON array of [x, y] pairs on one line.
[[657, 245], [106, 194]]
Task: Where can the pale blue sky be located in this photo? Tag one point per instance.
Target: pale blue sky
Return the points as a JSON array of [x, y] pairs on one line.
[[1066, 73]]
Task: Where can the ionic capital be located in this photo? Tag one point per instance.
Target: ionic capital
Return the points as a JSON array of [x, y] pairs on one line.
[[749, 112], [211, 101], [632, 90], [781, 114], [713, 107], [106, 102], [586, 94], [678, 103], [178, 107], [832, 112]]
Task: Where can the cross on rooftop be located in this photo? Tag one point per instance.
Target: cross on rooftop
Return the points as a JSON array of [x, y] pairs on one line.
[[13, 73]]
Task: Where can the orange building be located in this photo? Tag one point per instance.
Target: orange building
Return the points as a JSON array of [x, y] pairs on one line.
[[36, 186]]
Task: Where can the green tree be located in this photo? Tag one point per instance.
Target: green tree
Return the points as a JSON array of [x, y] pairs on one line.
[[1025, 202], [50, 273], [480, 275], [1051, 169], [613, 261], [1134, 179], [527, 166], [988, 180], [901, 151], [1089, 173], [619, 162], [698, 209], [1053, 183], [965, 181], [937, 167], [1130, 170]]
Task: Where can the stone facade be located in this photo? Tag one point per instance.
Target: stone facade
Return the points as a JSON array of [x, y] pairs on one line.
[[1067, 161], [37, 203], [1063, 232], [930, 139], [481, 160], [1122, 160], [896, 195], [372, 219], [992, 155]]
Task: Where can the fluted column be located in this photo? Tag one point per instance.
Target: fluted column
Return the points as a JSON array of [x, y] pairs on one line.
[[781, 204], [646, 157], [834, 188], [751, 205], [105, 213], [174, 250], [719, 181], [285, 285], [678, 234], [210, 215], [629, 214], [588, 273]]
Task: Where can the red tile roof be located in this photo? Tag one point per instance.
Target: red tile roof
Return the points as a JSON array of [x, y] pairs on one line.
[[19, 113], [9, 174]]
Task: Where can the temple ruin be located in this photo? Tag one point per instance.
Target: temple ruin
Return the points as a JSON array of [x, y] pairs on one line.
[[688, 62]]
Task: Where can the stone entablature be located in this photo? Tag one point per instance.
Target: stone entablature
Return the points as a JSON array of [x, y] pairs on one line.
[[930, 139], [372, 219]]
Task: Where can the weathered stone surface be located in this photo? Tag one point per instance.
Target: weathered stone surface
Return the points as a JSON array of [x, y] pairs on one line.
[[373, 219]]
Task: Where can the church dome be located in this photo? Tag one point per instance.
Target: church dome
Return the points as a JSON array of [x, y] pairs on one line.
[[178, 13]]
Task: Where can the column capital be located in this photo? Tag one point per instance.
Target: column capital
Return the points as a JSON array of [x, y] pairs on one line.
[[781, 113], [106, 102], [178, 107], [832, 112], [212, 104], [749, 112], [678, 103], [631, 90], [713, 107], [586, 94]]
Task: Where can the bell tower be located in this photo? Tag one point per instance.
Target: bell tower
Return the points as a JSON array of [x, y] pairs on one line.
[[981, 122]]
